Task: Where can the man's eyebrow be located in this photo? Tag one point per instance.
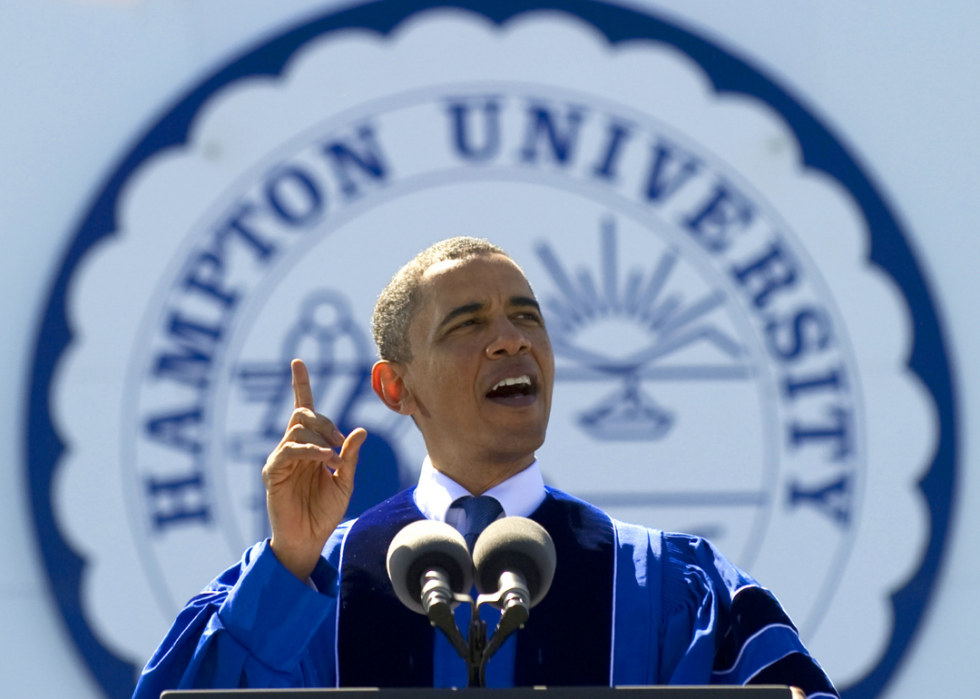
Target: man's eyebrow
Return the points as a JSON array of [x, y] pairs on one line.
[[461, 311], [525, 301], [468, 308]]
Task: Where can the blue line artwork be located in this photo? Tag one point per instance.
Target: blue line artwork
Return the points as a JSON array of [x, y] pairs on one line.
[[339, 360], [666, 322]]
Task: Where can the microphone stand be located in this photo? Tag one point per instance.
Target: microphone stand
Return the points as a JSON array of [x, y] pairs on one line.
[[473, 650], [512, 598], [514, 601], [476, 661]]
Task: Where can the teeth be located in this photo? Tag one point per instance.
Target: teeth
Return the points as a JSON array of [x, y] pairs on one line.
[[519, 381]]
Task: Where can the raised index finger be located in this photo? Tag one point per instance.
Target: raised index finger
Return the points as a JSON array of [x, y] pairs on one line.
[[302, 391]]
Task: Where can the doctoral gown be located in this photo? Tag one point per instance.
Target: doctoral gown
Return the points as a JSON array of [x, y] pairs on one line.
[[628, 606]]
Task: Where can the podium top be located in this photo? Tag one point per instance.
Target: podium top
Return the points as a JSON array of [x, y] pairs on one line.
[[656, 692]]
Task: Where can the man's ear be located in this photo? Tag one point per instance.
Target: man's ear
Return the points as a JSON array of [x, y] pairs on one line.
[[387, 380]]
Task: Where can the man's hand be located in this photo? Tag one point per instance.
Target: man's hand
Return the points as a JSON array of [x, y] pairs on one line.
[[307, 484]]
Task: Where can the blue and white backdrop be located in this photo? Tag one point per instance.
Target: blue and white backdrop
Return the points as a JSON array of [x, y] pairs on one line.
[[747, 226]]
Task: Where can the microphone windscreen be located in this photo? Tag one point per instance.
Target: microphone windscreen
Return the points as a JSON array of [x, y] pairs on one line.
[[424, 545], [515, 544]]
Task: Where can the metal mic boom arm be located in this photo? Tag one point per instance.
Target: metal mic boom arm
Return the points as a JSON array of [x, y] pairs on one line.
[[438, 601], [514, 601]]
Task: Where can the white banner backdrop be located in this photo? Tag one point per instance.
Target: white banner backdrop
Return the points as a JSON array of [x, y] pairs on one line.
[[70, 125]]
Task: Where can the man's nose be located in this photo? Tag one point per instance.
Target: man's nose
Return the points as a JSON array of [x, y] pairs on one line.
[[509, 340]]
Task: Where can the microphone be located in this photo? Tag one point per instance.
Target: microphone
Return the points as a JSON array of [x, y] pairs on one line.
[[515, 561], [431, 571], [428, 564], [515, 564]]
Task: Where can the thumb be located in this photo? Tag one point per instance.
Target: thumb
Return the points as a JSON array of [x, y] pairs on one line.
[[349, 453]]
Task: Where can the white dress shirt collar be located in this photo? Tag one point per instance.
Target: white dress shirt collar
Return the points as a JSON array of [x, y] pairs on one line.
[[519, 495]]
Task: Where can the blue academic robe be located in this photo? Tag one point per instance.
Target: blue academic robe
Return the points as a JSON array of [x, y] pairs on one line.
[[629, 606]]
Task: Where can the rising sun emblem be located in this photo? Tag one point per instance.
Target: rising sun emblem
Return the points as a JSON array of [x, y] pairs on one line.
[[657, 330]]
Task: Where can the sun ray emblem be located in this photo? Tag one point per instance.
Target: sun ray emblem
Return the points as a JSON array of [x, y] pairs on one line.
[[655, 327]]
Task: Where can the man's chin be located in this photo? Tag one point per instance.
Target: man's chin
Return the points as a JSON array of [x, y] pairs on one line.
[[519, 442]]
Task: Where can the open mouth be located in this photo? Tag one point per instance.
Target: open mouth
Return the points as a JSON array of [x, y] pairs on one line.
[[516, 391]]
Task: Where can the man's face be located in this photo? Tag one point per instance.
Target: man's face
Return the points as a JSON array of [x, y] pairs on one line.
[[482, 369]]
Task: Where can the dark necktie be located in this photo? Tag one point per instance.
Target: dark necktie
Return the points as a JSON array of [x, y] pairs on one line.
[[480, 512]]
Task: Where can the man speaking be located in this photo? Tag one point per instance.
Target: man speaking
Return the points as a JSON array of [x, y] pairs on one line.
[[465, 352]]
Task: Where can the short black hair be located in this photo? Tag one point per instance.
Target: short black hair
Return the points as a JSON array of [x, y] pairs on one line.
[[398, 303]]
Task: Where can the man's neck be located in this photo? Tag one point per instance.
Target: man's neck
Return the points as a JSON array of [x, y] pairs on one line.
[[480, 476]]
